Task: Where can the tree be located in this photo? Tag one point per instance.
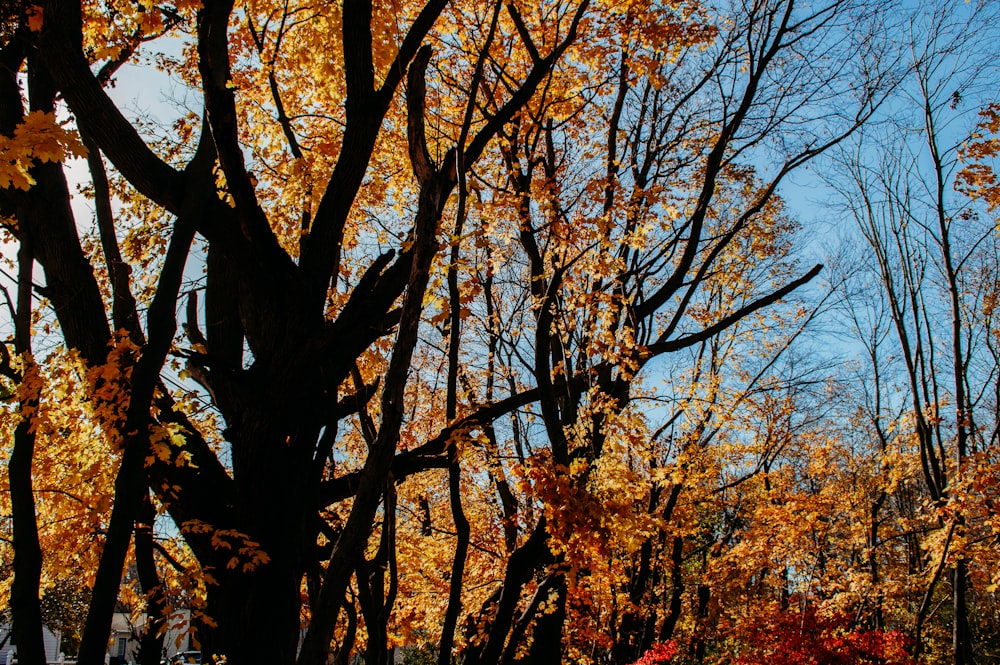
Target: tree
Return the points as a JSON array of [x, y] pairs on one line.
[[589, 194], [930, 246]]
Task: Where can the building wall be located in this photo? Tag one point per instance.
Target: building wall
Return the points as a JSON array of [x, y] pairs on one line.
[[52, 640], [124, 645]]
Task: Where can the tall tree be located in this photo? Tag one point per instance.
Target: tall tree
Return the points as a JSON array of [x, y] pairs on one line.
[[449, 242], [929, 245]]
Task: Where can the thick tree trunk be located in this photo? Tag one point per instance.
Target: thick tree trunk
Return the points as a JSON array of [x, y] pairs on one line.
[[260, 590], [260, 616], [257, 600]]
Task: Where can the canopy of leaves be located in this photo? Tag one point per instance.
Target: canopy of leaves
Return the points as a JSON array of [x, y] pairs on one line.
[[494, 331]]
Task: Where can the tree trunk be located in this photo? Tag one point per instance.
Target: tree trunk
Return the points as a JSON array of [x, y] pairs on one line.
[[676, 591], [546, 643], [261, 589], [154, 629], [961, 632], [24, 600], [501, 609]]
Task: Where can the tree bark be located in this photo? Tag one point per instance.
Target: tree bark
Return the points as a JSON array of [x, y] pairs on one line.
[[25, 607]]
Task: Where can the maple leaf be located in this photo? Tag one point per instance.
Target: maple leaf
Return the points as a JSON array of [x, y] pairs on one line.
[[37, 137]]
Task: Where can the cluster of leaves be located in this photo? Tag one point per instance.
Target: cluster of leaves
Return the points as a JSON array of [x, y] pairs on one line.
[[541, 394], [977, 178], [811, 637], [659, 654], [38, 137]]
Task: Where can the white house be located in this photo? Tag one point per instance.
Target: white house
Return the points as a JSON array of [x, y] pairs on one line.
[[123, 645], [8, 653], [125, 633]]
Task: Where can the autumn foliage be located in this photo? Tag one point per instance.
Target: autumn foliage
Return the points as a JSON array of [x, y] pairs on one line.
[[659, 654], [807, 637], [495, 333]]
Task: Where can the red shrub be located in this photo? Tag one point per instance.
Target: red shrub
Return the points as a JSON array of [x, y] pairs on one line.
[[658, 654], [806, 638]]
